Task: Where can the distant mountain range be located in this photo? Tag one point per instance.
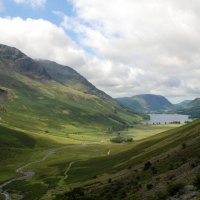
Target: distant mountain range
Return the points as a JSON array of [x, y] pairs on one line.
[[182, 104], [48, 97], [191, 108], [147, 103]]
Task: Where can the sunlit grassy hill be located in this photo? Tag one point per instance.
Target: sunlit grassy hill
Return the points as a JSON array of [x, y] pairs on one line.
[[46, 97], [158, 167]]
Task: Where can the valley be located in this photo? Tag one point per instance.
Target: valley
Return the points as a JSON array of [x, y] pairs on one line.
[[55, 163], [61, 138]]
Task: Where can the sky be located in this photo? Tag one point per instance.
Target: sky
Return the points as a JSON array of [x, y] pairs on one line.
[[124, 47]]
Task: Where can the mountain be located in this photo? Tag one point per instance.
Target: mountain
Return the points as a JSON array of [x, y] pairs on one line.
[[192, 108], [182, 104], [12, 60], [146, 103], [46, 97], [70, 78], [42, 100]]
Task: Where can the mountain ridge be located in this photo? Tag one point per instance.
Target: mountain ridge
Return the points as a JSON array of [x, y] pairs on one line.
[[146, 103], [16, 60], [42, 103], [70, 77], [192, 108]]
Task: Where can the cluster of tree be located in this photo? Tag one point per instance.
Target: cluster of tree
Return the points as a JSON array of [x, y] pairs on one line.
[[174, 122], [120, 139]]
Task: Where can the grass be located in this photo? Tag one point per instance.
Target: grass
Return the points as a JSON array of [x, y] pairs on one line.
[[168, 159], [95, 166], [143, 131], [18, 148], [51, 172], [48, 106], [89, 150]]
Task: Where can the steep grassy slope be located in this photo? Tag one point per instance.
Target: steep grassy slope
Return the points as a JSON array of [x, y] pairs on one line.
[[146, 103], [32, 98], [154, 168]]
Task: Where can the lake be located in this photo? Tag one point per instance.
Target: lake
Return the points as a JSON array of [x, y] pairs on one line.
[[167, 118]]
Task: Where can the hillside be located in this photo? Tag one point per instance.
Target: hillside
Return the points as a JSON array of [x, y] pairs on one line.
[[70, 78], [155, 168], [146, 103], [182, 104], [192, 108], [46, 97]]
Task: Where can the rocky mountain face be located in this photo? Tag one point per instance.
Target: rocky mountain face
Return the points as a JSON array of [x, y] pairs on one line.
[[12, 60], [71, 78]]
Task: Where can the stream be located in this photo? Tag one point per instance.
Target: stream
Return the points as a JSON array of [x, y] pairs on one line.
[[26, 174]]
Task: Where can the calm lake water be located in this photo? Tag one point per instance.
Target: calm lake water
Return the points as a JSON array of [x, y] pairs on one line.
[[167, 118]]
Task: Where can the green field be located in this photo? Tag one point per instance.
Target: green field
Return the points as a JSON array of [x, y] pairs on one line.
[[85, 150]]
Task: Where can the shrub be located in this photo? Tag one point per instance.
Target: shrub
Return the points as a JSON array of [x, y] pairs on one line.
[[160, 195], [120, 139], [117, 139], [129, 140], [197, 181], [149, 186], [129, 167], [109, 180], [154, 170], [193, 165], [174, 188], [184, 145], [147, 165]]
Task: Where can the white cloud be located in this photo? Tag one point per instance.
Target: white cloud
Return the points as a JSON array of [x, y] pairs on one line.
[[138, 46], [40, 39], [32, 3], [149, 46]]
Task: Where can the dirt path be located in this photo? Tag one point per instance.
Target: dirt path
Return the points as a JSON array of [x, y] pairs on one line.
[[68, 169], [27, 174]]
